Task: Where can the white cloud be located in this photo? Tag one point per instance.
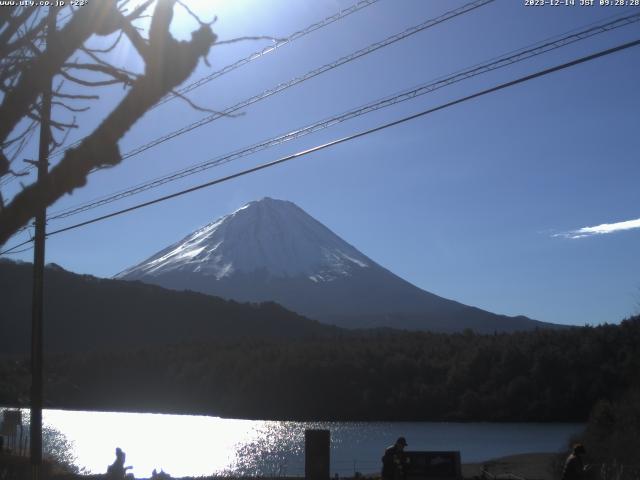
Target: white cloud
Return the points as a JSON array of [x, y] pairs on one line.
[[601, 229]]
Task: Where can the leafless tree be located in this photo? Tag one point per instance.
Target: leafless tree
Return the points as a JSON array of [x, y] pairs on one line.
[[30, 59]]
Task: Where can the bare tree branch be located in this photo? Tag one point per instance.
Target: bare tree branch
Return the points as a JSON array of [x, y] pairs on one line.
[[63, 126], [139, 43], [56, 143], [194, 16], [5, 14], [170, 63], [14, 23], [18, 137], [122, 76], [69, 107], [32, 81], [91, 83], [76, 96], [204, 109], [4, 164], [106, 49], [24, 40]]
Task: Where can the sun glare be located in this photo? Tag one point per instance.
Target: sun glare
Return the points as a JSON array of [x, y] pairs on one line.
[[151, 441]]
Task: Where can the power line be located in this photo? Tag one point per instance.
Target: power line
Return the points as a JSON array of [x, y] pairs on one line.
[[12, 252], [303, 78], [309, 75], [498, 62], [361, 4], [280, 43], [333, 143]]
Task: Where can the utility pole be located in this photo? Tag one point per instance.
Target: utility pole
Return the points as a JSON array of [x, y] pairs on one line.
[[35, 422]]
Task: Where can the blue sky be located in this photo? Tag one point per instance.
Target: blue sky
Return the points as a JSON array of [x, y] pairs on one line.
[[481, 202]]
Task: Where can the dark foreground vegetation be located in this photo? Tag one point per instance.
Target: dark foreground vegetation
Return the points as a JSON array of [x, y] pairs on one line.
[[546, 375], [613, 431]]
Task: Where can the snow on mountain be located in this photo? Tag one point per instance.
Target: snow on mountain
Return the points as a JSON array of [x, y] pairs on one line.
[[271, 235], [271, 250]]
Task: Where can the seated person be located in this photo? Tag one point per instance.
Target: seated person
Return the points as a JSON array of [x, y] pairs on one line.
[[117, 470]]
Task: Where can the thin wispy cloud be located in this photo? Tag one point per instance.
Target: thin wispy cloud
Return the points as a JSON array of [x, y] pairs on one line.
[[602, 229]]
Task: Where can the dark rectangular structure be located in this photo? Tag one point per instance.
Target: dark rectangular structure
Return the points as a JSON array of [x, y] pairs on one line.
[[316, 454], [433, 465], [11, 420]]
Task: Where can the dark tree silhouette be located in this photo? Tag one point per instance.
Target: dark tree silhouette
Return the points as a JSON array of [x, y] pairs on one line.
[[28, 64]]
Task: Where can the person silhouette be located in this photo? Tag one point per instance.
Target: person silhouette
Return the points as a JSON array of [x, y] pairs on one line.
[[574, 465], [394, 461], [117, 470]]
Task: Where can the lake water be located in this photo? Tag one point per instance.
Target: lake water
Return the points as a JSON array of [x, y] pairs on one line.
[[188, 445]]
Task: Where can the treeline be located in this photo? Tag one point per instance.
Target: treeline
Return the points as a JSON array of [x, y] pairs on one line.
[[546, 375]]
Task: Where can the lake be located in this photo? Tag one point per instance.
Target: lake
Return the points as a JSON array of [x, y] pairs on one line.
[[189, 445]]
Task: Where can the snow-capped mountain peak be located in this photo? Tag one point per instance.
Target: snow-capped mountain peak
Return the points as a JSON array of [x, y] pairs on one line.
[[273, 236], [271, 250]]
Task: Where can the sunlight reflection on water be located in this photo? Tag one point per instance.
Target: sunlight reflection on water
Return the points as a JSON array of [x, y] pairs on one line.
[[189, 445]]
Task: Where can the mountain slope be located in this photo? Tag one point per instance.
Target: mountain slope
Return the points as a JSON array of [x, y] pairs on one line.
[[271, 235], [85, 313], [273, 250]]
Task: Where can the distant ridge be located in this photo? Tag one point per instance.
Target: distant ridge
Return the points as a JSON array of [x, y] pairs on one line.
[[272, 250], [84, 313]]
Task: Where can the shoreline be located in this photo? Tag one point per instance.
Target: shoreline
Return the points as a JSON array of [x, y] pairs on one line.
[[529, 466], [525, 466], [152, 411]]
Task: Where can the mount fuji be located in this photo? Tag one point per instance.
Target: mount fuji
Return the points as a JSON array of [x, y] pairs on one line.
[[272, 250]]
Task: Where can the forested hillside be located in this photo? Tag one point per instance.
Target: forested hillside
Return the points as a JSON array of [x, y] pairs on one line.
[[534, 376], [85, 313]]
